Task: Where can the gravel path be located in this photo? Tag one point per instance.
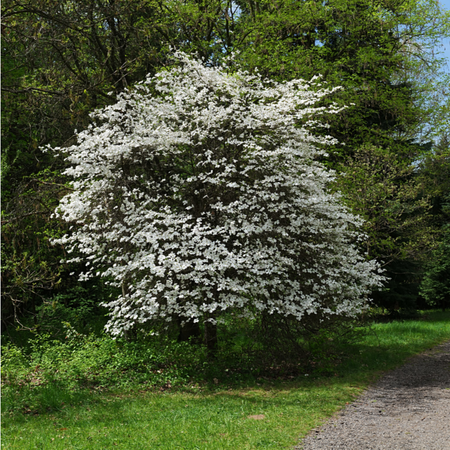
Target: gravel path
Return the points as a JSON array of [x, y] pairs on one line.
[[407, 409]]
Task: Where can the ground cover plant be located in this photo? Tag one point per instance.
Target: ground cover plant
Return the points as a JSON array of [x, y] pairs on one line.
[[207, 408]]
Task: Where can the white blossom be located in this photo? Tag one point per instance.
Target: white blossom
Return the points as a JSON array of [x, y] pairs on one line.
[[199, 192]]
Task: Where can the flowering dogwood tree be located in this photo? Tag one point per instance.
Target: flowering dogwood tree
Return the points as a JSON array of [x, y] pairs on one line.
[[198, 192]]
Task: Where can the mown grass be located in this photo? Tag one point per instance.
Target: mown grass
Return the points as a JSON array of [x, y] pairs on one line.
[[259, 413], [220, 420]]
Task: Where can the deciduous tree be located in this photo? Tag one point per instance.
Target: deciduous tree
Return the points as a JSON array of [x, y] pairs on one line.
[[198, 193]]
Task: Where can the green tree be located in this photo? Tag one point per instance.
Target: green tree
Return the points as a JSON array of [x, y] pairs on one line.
[[435, 287], [387, 192], [435, 169], [63, 59], [374, 50]]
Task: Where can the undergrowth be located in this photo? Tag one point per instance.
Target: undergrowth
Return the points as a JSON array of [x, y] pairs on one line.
[[49, 372], [89, 391]]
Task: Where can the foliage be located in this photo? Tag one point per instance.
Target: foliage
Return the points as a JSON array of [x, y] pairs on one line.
[[435, 287], [384, 190], [78, 361], [435, 170], [36, 284], [387, 192], [198, 193], [31, 267], [78, 306], [61, 60], [377, 52], [82, 362]]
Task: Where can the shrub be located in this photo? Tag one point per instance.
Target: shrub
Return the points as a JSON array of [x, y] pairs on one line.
[[199, 193]]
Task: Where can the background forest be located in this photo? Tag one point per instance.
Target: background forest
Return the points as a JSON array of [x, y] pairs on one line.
[[61, 60]]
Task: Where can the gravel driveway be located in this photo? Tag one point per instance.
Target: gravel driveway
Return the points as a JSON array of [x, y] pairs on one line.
[[407, 409]]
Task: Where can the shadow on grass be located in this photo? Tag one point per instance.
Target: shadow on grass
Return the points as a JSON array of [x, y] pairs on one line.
[[43, 399], [383, 347]]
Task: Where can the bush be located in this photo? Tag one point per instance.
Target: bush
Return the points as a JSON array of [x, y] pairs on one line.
[[199, 193]]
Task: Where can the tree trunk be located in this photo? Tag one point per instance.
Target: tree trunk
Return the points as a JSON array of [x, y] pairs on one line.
[[189, 331], [211, 338], [131, 334]]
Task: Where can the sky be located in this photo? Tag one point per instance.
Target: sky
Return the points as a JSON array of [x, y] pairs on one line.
[[446, 42]]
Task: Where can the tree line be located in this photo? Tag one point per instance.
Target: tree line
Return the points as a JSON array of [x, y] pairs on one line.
[[61, 60]]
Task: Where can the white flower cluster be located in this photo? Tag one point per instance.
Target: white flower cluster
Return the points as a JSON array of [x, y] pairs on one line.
[[199, 192]]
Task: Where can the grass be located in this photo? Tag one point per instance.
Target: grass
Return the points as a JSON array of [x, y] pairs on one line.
[[220, 420], [258, 414]]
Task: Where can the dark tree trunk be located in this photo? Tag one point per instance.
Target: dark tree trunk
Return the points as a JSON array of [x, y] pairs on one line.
[[131, 334], [445, 301], [211, 338], [189, 331]]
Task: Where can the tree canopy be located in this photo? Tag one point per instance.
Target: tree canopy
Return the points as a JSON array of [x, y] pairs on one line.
[[198, 193], [61, 60]]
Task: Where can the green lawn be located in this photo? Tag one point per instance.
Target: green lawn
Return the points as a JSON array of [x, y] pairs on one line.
[[267, 414]]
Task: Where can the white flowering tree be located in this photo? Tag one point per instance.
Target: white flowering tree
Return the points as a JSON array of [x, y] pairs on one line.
[[199, 193]]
